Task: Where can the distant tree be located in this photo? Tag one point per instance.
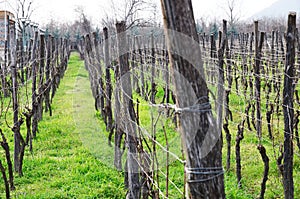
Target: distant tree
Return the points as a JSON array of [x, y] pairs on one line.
[[81, 26], [109, 22], [130, 11], [24, 9], [268, 24], [23, 13], [155, 20], [233, 14], [214, 28], [51, 25], [201, 24], [83, 23]]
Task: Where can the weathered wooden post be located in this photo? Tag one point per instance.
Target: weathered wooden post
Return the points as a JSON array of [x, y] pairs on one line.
[[141, 63], [166, 72], [108, 107], [201, 141], [223, 41], [257, 66], [40, 97], [97, 62], [48, 75], [22, 60], [288, 108], [129, 114], [91, 67], [117, 123], [34, 86], [153, 84], [55, 67]]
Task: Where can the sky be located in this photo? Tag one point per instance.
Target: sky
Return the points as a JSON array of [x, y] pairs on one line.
[[63, 10]]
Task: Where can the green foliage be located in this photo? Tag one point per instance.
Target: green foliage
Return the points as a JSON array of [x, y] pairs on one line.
[[214, 30]]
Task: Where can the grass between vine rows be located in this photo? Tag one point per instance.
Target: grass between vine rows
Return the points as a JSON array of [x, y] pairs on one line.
[[62, 166]]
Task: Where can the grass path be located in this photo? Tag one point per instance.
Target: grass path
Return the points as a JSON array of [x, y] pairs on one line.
[[68, 159]]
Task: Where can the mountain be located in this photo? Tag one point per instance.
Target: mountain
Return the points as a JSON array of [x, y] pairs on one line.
[[279, 8]]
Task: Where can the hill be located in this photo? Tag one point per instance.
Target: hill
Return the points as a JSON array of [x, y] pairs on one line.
[[280, 8]]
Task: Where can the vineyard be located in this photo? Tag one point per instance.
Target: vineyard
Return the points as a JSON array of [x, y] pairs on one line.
[[169, 108]]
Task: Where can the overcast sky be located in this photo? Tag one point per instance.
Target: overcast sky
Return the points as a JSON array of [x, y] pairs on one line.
[[63, 10]]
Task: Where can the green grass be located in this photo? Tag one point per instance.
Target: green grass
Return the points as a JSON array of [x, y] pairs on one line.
[[63, 165]]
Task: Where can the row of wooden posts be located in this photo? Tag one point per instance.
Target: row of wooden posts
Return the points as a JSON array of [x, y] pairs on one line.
[[39, 65], [260, 54]]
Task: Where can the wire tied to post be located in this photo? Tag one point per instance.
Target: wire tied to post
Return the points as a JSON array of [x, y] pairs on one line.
[[195, 108], [208, 173]]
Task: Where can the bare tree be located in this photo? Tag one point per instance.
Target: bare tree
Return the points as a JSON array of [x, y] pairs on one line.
[[71, 30], [51, 25], [84, 24], [24, 12], [232, 13], [201, 24], [130, 12]]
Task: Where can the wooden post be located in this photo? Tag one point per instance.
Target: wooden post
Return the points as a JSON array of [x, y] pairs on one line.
[[203, 164], [54, 67], [129, 114], [100, 97], [34, 86], [228, 56], [61, 56], [166, 71], [141, 63], [48, 73], [153, 84], [258, 48], [108, 108], [28, 59], [22, 60], [221, 106], [41, 87], [3, 79], [4, 65], [222, 43], [93, 70], [90, 65], [288, 108], [213, 48], [117, 124]]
